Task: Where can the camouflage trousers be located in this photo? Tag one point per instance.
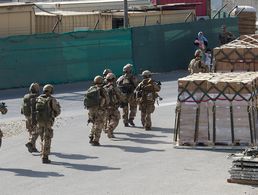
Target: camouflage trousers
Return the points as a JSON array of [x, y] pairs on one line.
[[113, 117], [33, 132], [146, 111], [46, 134], [97, 117], [132, 106]]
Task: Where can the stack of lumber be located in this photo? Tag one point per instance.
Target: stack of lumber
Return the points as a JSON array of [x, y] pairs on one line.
[[244, 168], [239, 55], [217, 109]]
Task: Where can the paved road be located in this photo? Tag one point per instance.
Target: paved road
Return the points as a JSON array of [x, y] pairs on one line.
[[136, 162]]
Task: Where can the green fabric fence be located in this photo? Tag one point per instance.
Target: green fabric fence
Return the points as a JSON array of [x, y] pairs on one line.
[[62, 58], [79, 56], [164, 48]]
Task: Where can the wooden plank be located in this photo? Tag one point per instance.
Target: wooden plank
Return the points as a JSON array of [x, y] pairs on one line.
[[243, 181]]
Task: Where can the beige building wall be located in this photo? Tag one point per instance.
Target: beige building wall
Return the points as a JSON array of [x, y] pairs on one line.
[[68, 21], [16, 19], [72, 21]]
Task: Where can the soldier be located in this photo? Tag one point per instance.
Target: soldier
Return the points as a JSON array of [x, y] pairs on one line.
[[146, 95], [105, 72], [29, 111], [127, 83], [116, 97], [3, 110], [47, 109], [96, 100], [225, 36], [197, 65]]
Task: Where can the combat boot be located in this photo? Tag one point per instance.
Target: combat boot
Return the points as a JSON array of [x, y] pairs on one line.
[[147, 128], [45, 160], [95, 143], [29, 146], [34, 149], [91, 139], [131, 122]]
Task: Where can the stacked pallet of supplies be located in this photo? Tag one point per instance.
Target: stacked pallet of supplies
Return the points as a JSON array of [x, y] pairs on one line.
[[217, 109], [239, 55], [244, 168]]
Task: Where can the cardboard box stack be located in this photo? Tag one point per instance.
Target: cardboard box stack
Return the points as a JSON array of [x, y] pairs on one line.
[[239, 55], [217, 109], [244, 168]]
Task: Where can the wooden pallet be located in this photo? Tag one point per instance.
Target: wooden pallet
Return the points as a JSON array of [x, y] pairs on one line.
[[243, 181]]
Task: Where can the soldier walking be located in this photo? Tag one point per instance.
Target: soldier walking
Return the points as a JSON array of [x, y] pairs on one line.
[[96, 100], [146, 95], [127, 83], [29, 111], [115, 97], [47, 109]]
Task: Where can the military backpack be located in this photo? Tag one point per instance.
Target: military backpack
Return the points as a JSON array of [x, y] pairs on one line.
[[28, 104], [92, 98], [43, 109]]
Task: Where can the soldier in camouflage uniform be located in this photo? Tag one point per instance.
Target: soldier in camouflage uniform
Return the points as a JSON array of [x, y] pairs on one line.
[[127, 83], [97, 112], [45, 126], [105, 73], [146, 95], [3, 110], [116, 97], [197, 65], [225, 36], [29, 111]]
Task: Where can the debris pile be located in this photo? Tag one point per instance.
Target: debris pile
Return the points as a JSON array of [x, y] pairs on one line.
[[244, 168]]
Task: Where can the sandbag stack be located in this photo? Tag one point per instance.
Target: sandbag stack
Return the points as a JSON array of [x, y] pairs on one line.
[[244, 168], [239, 55], [217, 109]]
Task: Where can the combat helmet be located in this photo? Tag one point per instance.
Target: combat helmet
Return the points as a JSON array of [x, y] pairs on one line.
[[48, 88], [110, 76], [98, 80], [146, 74], [106, 71], [127, 68], [34, 88]]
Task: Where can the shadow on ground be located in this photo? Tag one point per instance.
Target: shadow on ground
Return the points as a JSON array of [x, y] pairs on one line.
[[133, 149], [31, 173], [84, 167], [72, 156]]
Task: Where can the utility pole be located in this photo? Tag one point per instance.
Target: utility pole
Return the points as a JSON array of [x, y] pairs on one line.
[[125, 14]]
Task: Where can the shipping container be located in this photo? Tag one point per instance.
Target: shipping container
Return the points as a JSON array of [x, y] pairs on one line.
[[16, 19]]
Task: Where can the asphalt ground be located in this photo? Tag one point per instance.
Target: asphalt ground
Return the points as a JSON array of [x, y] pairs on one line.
[[136, 162]]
